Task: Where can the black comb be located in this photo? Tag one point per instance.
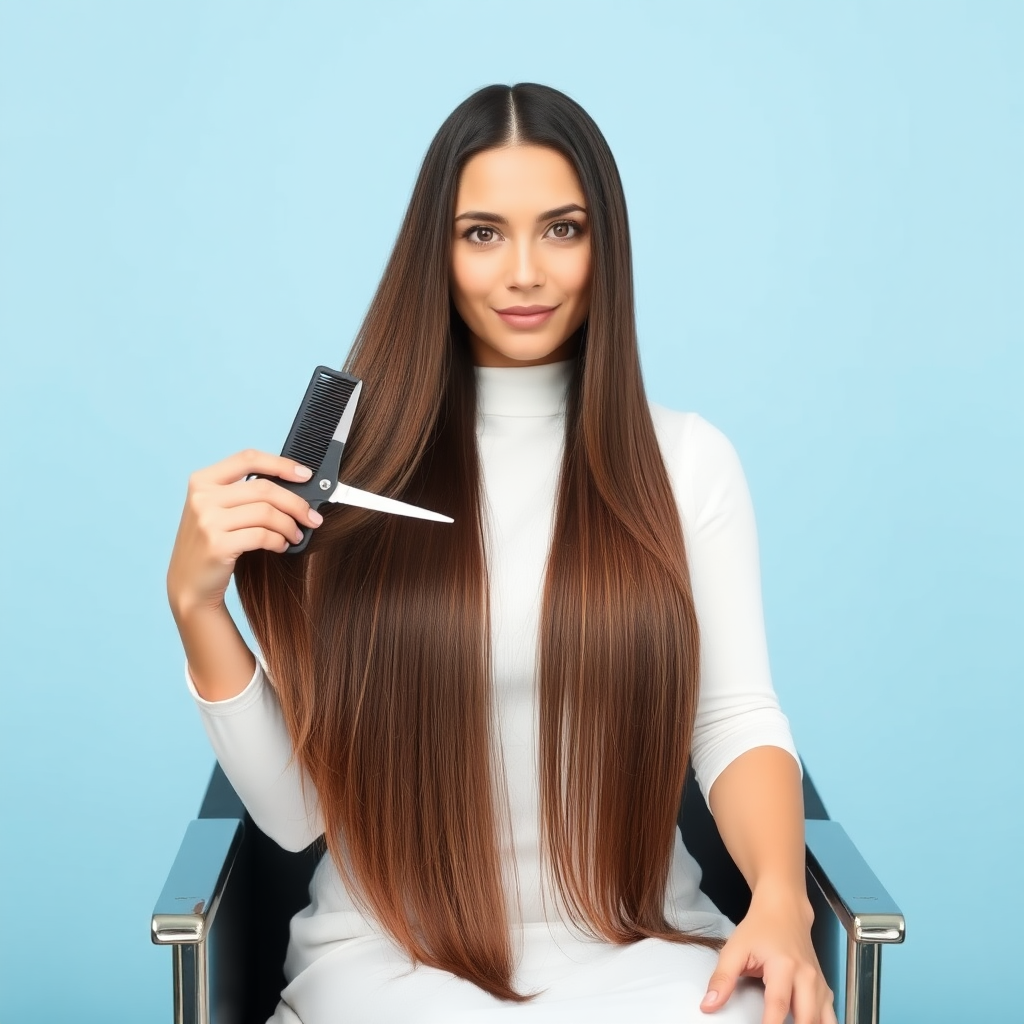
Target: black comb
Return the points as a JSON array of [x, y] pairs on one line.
[[312, 440]]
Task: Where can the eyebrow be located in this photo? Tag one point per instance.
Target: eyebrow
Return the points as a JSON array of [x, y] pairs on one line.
[[496, 218]]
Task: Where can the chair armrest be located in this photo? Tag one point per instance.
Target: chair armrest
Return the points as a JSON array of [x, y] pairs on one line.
[[186, 908], [864, 908]]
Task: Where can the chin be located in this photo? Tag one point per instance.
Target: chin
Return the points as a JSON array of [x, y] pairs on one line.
[[522, 350], [531, 355]]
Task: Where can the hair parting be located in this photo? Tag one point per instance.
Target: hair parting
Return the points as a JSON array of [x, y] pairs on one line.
[[512, 137], [377, 637]]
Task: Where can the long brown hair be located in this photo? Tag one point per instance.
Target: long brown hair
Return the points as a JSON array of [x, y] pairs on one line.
[[377, 637]]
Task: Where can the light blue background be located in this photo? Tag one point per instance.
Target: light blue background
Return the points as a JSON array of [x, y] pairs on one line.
[[827, 199]]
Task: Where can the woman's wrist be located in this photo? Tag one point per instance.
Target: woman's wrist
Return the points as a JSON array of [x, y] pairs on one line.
[[782, 893], [220, 663], [187, 607]]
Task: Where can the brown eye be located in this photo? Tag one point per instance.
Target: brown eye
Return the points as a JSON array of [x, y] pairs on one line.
[[481, 235], [564, 229]]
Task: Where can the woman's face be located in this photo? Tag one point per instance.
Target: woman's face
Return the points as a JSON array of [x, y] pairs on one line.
[[520, 256]]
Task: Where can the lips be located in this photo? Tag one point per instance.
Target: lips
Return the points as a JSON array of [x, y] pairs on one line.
[[525, 317]]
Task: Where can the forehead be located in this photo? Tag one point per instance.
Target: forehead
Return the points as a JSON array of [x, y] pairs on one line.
[[518, 179]]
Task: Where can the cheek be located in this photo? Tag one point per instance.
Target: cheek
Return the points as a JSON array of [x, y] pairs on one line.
[[470, 279], [574, 272]]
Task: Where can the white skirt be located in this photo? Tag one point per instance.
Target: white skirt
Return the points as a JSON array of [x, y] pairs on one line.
[[368, 980]]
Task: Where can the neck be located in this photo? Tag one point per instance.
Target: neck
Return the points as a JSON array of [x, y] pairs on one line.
[[538, 390]]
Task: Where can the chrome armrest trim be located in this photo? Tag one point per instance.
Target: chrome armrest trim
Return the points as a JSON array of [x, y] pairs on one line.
[[188, 903], [858, 899]]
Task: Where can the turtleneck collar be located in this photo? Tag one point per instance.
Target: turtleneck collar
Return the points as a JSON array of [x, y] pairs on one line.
[[523, 390]]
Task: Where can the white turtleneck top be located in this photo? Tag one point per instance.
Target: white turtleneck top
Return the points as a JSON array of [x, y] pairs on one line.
[[521, 418]]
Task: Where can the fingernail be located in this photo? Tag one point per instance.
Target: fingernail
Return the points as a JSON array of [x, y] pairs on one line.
[[298, 536], [314, 517], [711, 998], [303, 472]]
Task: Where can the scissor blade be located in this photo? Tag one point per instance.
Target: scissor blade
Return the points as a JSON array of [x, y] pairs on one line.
[[364, 499], [345, 423]]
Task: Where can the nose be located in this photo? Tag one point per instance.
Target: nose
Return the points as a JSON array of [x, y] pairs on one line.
[[525, 269]]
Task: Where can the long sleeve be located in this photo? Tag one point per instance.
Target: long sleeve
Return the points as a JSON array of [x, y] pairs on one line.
[[251, 742], [737, 707]]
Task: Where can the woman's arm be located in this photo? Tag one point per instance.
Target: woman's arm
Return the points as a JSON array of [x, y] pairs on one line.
[[742, 750], [249, 736], [225, 515], [219, 661], [759, 809], [757, 802]]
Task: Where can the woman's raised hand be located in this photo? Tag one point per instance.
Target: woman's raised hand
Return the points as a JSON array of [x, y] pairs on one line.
[[225, 514]]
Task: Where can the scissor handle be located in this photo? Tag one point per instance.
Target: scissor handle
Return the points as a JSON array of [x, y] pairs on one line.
[[316, 490], [312, 491]]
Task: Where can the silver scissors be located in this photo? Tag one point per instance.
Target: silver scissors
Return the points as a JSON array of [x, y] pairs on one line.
[[317, 440]]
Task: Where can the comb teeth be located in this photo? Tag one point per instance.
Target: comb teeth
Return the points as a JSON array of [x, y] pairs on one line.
[[318, 417]]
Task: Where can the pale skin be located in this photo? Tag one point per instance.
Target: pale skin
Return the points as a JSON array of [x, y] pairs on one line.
[[520, 241]]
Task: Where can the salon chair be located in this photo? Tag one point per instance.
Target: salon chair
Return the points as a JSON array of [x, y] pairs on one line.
[[231, 892]]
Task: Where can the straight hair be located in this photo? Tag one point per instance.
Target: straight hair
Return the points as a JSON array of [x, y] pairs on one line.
[[377, 638]]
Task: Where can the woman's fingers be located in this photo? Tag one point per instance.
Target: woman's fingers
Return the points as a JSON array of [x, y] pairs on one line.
[[812, 999], [731, 961], [778, 994], [257, 538], [244, 492], [208, 500], [257, 514], [809, 997], [243, 464]]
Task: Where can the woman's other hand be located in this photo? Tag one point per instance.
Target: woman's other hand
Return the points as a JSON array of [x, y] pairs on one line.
[[773, 942]]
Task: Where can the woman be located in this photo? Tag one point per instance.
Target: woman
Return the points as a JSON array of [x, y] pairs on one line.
[[489, 723]]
